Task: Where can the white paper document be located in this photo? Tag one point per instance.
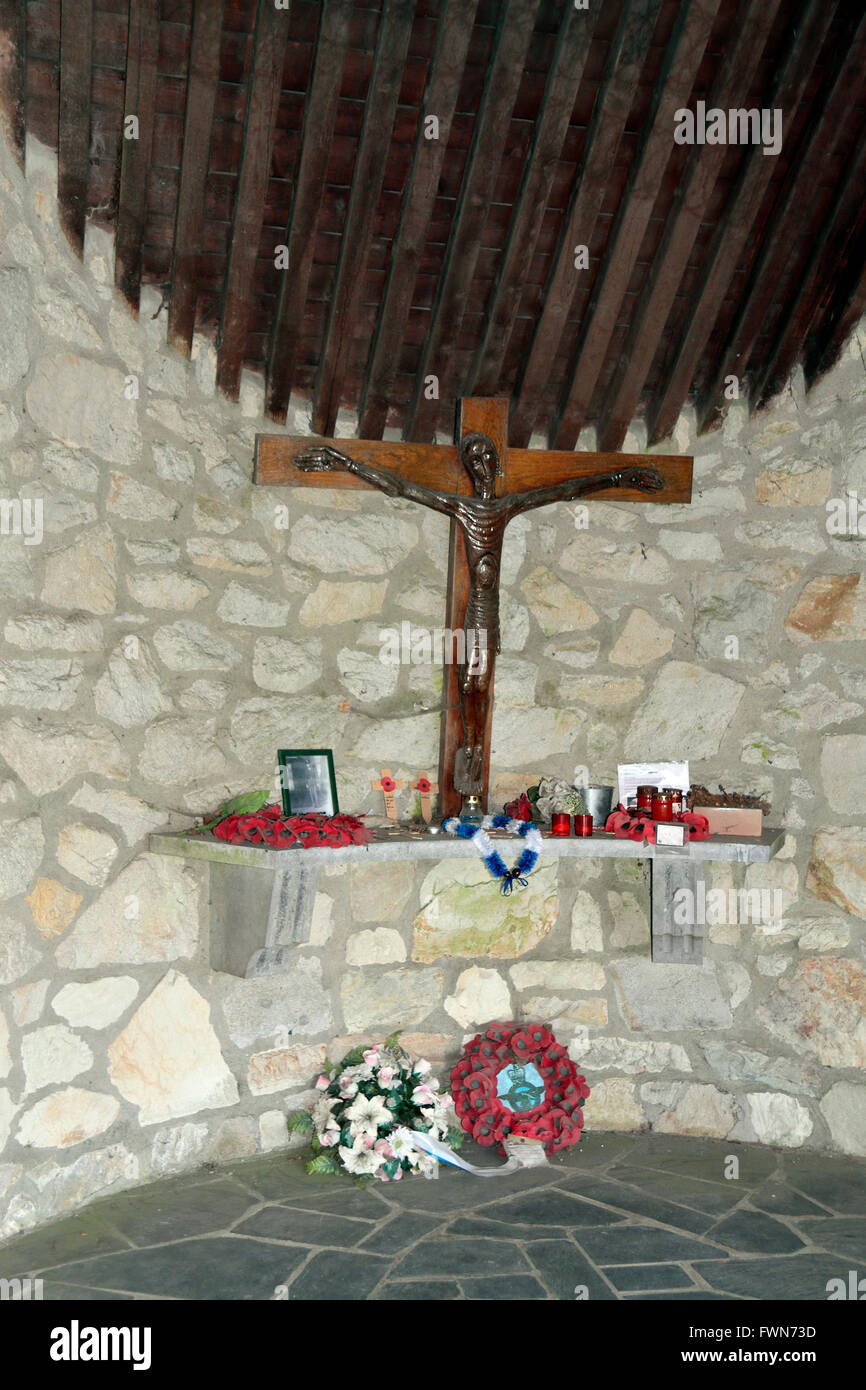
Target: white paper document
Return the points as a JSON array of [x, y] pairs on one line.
[[634, 775]]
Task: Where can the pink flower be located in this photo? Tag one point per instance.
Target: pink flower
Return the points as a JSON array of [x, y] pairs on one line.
[[329, 1138], [371, 1057], [322, 1084]]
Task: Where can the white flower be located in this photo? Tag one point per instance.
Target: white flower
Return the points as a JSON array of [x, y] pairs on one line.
[[401, 1144], [422, 1068], [428, 1165], [422, 1095], [388, 1078], [371, 1057], [348, 1086], [329, 1137], [359, 1159], [367, 1115]]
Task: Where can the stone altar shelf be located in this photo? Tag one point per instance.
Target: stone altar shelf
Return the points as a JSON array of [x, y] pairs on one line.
[[255, 922]]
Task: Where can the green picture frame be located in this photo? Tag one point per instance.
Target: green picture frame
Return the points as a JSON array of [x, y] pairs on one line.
[[307, 781]]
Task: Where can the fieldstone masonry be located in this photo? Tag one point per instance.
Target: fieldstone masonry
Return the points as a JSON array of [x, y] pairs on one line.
[[172, 625]]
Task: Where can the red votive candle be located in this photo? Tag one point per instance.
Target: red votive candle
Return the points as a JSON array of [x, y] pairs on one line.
[[663, 807], [645, 796], [583, 825], [560, 823]]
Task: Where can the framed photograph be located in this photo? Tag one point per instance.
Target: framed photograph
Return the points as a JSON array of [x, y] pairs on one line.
[[307, 781]]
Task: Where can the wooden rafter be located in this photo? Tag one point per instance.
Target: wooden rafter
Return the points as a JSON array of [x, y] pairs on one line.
[[422, 183], [685, 52], [73, 134], [142, 49], [514, 31], [13, 49], [836, 322], [789, 222], [726, 247], [320, 114], [263, 100], [204, 67], [612, 106], [392, 45], [693, 195], [560, 93], [829, 251]]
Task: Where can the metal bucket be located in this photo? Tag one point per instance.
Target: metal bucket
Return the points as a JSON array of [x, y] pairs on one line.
[[599, 802]]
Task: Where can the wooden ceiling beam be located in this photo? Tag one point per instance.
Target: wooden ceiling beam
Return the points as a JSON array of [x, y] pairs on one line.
[[13, 74], [694, 190], [380, 108], [73, 132], [736, 225], [515, 23], [142, 49], [422, 185], [613, 103], [683, 57], [830, 249], [262, 104], [791, 219], [573, 43], [837, 321], [204, 70], [320, 114]]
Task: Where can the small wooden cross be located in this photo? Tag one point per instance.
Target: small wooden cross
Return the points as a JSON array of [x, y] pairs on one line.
[[388, 786], [424, 787]]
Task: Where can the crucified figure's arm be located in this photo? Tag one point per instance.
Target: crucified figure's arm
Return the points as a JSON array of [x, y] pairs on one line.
[[643, 479], [322, 458]]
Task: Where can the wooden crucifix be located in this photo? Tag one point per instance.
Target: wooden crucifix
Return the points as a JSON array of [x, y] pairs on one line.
[[481, 485]]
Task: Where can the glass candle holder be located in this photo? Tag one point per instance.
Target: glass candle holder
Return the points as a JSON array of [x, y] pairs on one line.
[[662, 807], [583, 825], [645, 796], [560, 823]]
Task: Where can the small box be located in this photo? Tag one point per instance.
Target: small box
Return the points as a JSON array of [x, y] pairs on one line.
[[670, 833], [742, 821]]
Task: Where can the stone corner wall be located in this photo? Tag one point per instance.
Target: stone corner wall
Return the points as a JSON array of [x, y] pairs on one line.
[[171, 625]]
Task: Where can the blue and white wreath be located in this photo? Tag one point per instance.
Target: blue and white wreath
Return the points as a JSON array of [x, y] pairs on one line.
[[511, 878]]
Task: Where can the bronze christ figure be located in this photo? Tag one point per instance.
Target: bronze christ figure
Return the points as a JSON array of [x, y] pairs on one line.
[[482, 519]]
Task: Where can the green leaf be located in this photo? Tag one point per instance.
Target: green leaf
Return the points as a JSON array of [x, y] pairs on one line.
[[455, 1137], [243, 805], [323, 1164], [353, 1058], [392, 1041], [300, 1121]]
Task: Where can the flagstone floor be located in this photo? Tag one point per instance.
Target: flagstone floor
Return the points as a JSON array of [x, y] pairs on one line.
[[624, 1217]]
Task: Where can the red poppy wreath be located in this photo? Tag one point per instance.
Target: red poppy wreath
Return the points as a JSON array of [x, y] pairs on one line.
[[516, 1079]]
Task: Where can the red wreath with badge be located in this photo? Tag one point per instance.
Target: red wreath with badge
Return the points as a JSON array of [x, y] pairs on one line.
[[496, 1093]]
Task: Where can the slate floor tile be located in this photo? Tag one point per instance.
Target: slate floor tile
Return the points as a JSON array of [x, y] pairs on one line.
[[549, 1208], [419, 1290], [566, 1272], [795, 1277], [503, 1286], [400, 1232], [779, 1199], [283, 1179], [841, 1187], [461, 1259], [843, 1235], [755, 1232], [341, 1201], [705, 1159], [303, 1227], [152, 1214], [712, 1197], [641, 1245], [222, 1267], [85, 1234], [616, 1194], [631, 1278], [55, 1292], [338, 1275], [502, 1230]]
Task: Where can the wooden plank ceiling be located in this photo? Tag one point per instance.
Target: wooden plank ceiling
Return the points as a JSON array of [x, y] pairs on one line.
[[308, 127]]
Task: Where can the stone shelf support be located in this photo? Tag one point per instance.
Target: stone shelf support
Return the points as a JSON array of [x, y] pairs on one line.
[[261, 899]]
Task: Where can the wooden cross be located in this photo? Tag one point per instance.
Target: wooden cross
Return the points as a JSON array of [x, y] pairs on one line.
[[388, 787], [438, 466], [424, 787]]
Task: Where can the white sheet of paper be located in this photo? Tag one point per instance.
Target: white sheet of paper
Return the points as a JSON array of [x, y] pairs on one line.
[[634, 775]]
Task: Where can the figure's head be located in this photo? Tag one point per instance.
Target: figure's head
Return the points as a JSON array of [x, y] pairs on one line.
[[481, 461]]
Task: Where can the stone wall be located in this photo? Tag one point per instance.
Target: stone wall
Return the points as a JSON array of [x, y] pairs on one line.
[[174, 625]]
